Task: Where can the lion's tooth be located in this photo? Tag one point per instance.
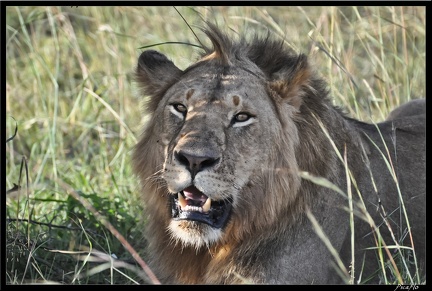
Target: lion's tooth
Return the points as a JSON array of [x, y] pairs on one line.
[[206, 206], [181, 201]]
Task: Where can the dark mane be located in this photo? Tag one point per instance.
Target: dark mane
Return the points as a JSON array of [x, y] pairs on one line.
[[267, 52], [271, 56]]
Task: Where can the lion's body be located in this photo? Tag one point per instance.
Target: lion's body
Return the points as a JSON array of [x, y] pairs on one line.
[[238, 128]]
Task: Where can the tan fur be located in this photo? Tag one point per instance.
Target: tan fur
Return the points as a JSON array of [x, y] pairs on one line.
[[255, 162]]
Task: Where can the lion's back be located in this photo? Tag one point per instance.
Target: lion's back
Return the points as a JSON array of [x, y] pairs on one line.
[[397, 157]]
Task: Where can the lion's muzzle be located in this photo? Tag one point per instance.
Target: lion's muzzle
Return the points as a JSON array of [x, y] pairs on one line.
[[193, 205]]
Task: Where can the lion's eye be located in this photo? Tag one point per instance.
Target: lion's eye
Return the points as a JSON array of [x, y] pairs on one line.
[[241, 117], [180, 108]]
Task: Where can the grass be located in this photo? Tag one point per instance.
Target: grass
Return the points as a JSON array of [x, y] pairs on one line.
[[69, 90]]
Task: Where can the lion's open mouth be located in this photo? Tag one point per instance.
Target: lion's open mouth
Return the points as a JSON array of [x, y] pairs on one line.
[[191, 204]]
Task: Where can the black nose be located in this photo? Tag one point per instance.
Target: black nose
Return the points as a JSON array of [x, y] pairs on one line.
[[195, 163]]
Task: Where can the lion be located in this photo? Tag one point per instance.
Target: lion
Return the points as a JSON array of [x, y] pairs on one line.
[[232, 161]]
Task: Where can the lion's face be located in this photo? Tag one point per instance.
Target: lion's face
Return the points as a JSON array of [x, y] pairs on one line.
[[215, 138], [217, 143]]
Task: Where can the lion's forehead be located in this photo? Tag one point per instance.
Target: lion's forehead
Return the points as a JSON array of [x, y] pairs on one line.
[[217, 81], [225, 78], [219, 89]]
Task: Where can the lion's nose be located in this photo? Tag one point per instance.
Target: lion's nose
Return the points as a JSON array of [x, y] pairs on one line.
[[195, 163]]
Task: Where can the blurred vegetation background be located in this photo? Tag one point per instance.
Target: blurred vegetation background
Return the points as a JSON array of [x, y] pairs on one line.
[[71, 96]]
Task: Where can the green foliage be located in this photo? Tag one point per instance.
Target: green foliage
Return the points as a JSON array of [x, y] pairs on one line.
[[70, 89]]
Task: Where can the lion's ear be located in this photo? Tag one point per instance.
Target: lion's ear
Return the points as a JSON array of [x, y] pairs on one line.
[[155, 72], [291, 80]]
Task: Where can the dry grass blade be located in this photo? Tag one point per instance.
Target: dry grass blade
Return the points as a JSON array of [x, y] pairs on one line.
[[169, 42]]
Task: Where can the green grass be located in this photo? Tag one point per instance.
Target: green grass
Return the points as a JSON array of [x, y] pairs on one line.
[[70, 91]]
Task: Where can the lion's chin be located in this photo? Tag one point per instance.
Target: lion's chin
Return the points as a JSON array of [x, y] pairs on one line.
[[193, 234], [192, 205]]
